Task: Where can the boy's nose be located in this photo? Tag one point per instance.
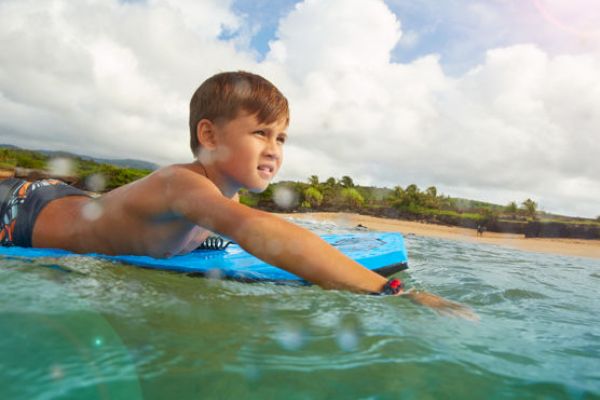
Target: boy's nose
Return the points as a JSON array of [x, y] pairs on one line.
[[273, 151]]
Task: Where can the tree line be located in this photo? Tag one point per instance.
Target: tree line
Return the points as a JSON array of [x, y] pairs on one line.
[[344, 195], [112, 175]]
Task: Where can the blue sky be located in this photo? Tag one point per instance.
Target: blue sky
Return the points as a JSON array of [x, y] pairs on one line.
[[450, 28], [436, 30], [264, 15]]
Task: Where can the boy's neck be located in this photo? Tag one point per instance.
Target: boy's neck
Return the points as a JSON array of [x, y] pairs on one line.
[[215, 177]]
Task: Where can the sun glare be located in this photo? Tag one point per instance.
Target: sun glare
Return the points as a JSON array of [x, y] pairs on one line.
[[577, 17]]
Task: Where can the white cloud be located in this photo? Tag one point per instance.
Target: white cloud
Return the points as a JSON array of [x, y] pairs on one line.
[[108, 78], [114, 79], [510, 125], [336, 36]]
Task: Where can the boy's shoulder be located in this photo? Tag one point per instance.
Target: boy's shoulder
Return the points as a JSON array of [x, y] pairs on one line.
[[173, 188], [187, 171], [177, 179], [171, 181]]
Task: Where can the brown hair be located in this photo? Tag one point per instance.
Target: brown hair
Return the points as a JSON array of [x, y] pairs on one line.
[[222, 96]]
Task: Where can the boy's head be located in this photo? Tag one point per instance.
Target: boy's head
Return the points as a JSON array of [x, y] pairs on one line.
[[223, 96]]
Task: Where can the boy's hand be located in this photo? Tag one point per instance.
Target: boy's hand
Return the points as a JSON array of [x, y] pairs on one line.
[[440, 305]]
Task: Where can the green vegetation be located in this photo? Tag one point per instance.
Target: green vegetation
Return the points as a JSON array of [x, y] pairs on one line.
[[114, 176], [408, 202], [312, 198], [511, 208], [530, 208], [22, 158], [352, 198]]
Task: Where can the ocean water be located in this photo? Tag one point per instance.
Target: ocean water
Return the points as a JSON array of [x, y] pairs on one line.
[[87, 329]]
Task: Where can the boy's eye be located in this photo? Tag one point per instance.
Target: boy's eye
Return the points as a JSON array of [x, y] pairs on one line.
[[260, 133], [281, 139]]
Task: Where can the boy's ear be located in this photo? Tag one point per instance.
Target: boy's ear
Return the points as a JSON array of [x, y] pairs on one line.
[[206, 135]]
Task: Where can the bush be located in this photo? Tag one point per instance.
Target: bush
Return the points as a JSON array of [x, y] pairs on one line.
[[312, 198], [352, 198], [248, 199]]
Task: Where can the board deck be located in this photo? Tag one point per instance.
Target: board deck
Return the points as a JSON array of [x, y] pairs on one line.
[[383, 253]]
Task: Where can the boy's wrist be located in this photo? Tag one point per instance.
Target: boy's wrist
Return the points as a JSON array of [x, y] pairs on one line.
[[392, 287]]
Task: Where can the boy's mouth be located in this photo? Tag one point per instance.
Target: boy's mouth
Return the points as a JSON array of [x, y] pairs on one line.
[[266, 171]]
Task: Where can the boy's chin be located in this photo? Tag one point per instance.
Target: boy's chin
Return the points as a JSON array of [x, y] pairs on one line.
[[258, 189]]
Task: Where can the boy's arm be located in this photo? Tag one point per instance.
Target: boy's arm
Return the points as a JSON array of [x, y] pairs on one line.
[[268, 237], [301, 252], [284, 244]]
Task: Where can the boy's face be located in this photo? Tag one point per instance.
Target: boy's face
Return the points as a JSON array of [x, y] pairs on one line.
[[249, 153]]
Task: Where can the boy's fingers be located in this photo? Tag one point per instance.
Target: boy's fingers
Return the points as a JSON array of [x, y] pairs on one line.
[[405, 292], [462, 312], [441, 305]]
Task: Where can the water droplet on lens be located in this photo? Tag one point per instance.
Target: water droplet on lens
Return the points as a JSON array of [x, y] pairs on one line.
[[95, 182], [56, 372], [92, 210], [61, 166], [251, 373], [242, 88], [285, 197], [343, 220], [214, 274], [205, 158], [347, 339], [290, 338]]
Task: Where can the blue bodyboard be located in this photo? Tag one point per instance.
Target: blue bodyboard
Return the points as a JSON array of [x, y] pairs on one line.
[[383, 253]]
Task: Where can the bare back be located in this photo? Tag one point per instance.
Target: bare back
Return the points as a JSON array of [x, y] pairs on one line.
[[133, 219]]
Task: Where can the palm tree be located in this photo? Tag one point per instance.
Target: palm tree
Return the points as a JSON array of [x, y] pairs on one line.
[[530, 207], [431, 198], [352, 197], [397, 193], [431, 191], [347, 182], [312, 198], [313, 181], [412, 195], [330, 182]]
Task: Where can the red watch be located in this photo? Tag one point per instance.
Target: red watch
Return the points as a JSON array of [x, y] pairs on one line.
[[393, 286]]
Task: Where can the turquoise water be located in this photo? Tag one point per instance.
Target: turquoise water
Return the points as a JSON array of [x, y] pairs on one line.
[[84, 328]]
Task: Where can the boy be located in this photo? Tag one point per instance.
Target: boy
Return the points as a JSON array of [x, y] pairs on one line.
[[238, 124]]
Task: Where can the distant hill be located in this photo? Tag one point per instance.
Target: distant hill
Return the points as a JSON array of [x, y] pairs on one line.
[[467, 204], [124, 163], [32, 164]]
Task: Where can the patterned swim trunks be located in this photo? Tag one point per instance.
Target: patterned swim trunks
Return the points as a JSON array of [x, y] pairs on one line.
[[22, 201]]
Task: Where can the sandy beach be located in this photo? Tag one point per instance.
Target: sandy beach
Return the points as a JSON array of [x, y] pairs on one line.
[[569, 247]]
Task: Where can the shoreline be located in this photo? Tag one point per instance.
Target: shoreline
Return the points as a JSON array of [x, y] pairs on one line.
[[567, 247]]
